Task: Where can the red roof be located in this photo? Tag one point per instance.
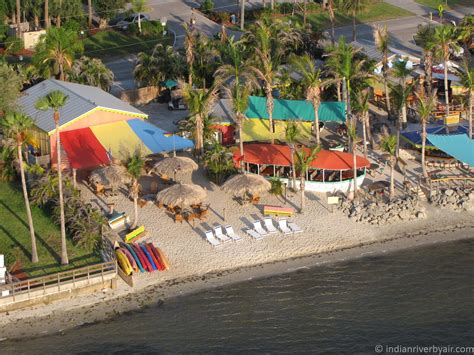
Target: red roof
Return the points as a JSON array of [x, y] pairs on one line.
[[83, 149], [274, 154]]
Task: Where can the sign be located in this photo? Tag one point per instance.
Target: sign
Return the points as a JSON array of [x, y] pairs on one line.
[[333, 200]]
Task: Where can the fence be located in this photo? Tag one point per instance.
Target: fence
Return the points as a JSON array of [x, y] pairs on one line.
[[65, 281]]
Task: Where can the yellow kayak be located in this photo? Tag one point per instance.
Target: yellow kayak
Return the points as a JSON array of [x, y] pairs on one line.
[[123, 262]]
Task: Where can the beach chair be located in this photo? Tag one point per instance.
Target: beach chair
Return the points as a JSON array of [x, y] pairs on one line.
[[211, 239], [269, 225], [294, 227], [259, 229], [221, 236], [253, 234], [230, 232], [282, 224]]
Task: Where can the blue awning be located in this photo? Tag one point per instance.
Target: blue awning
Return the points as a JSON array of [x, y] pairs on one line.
[[458, 146], [414, 137]]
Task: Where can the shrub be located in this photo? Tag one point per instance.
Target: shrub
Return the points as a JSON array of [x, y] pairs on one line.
[[207, 6], [13, 44], [277, 186], [222, 16], [152, 28]]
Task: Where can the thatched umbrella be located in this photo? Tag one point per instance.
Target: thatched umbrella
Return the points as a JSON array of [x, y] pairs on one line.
[[182, 195], [246, 184], [172, 165], [109, 176]]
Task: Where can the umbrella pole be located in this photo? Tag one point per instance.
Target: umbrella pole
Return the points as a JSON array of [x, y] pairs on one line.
[[174, 147]]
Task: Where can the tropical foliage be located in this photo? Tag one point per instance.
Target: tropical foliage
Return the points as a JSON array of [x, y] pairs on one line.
[[219, 163], [91, 71]]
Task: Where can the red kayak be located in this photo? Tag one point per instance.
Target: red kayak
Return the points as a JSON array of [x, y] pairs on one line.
[[143, 259], [155, 260], [157, 256]]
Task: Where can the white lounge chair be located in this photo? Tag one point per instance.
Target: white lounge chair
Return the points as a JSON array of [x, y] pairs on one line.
[[269, 225], [221, 236], [259, 229], [294, 227], [283, 225], [253, 234], [211, 239], [230, 232]]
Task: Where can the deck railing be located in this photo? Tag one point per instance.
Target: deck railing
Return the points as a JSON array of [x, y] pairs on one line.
[[55, 283]]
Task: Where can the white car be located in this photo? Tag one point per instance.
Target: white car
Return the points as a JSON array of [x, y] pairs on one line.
[[123, 24]]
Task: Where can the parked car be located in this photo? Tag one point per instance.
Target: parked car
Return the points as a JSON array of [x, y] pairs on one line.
[[177, 104], [123, 24]]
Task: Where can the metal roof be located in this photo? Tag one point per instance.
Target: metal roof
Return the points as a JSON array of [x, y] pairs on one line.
[[81, 99], [223, 112]]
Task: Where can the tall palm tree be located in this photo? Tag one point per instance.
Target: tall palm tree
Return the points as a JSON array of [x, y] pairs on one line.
[[389, 145], [18, 18], [291, 134], [467, 79], [446, 38], [135, 165], [424, 38], [354, 7], [55, 100], [426, 106], [17, 126], [55, 53], [93, 72], [361, 108], [47, 21], [332, 18], [401, 71], [200, 102], [381, 39], [266, 68], [189, 43], [352, 133], [312, 80], [139, 7], [400, 95], [303, 162], [89, 11]]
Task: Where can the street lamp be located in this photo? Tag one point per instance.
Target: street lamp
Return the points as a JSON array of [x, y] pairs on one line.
[[164, 20]]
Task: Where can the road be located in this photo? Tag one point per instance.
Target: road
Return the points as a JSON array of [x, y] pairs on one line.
[[178, 12]]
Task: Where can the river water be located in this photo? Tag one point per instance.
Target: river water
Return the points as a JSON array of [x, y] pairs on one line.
[[421, 296]]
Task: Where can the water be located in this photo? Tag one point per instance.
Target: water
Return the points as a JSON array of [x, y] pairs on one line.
[[420, 297]]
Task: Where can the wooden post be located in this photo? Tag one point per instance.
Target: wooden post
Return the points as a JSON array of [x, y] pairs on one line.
[[28, 289], [74, 180], [59, 285]]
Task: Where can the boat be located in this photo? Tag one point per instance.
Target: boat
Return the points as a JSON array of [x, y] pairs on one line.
[[163, 258], [153, 256], [123, 262], [130, 258], [135, 256], [143, 259], [157, 256], [150, 259]]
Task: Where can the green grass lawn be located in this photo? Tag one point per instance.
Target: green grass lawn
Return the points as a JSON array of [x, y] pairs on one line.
[[15, 240], [114, 43], [435, 3], [377, 11]]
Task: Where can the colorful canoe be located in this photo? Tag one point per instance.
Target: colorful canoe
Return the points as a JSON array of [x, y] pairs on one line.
[[135, 256], [163, 258], [153, 254], [123, 262], [150, 259], [130, 258], [143, 259]]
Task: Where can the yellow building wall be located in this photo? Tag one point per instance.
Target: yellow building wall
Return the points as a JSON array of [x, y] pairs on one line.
[[258, 130]]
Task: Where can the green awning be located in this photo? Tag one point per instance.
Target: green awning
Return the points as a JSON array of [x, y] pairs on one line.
[[296, 110], [169, 83]]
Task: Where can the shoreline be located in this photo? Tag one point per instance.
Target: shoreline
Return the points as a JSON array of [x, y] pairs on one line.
[[106, 306]]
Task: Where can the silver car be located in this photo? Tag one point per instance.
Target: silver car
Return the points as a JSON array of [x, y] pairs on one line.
[[123, 24]]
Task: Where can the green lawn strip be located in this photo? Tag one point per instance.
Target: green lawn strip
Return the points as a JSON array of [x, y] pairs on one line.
[[435, 3], [114, 43], [15, 240], [378, 11]]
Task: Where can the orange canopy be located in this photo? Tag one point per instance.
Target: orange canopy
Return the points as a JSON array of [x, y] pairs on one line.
[[274, 154]]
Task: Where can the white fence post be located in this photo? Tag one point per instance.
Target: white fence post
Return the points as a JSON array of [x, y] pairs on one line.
[[3, 273]]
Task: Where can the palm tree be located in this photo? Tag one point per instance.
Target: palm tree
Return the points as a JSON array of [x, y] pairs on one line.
[[55, 100], [291, 133], [17, 126], [446, 39], [266, 69], [467, 79], [139, 7], [47, 21], [303, 162], [426, 106], [242, 14], [91, 71], [200, 102], [354, 7], [219, 162], [424, 38], [332, 17], [18, 19], [311, 79], [389, 145], [401, 71], [352, 133], [135, 165], [189, 43], [381, 39], [400, 95], [89, 11], [361, 107], [55, 53], [239, 95]]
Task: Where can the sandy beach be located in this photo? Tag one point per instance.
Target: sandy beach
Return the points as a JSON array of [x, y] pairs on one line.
[[329, 237]]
